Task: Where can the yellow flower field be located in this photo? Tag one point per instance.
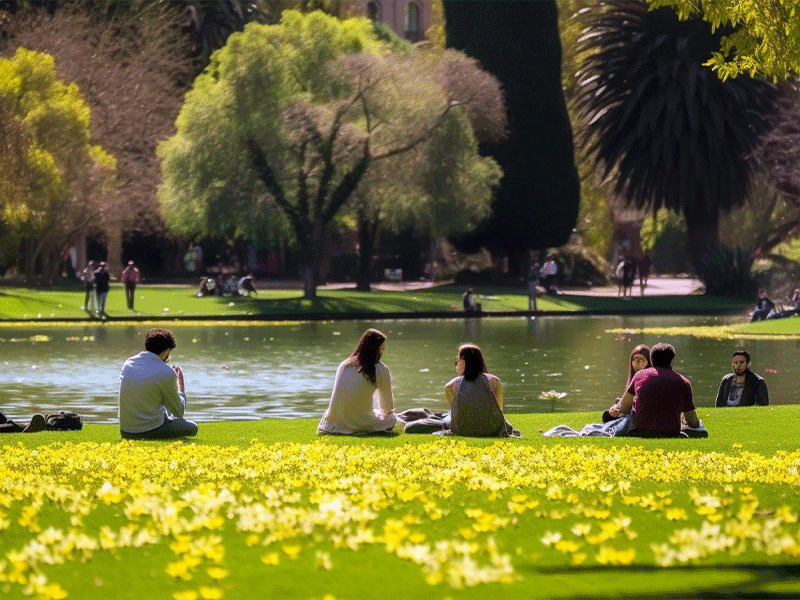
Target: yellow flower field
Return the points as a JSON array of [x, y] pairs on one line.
[[458, 515]]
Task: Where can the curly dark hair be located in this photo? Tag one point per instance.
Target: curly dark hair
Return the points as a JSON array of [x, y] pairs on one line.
[[159, 339], [368, 353]]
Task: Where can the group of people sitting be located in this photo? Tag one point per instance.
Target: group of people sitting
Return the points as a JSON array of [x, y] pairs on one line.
[[222, 286], [766, 309], [657, 402], [362, 401]]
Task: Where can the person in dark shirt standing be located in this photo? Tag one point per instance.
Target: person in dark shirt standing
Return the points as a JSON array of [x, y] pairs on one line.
[[102, 285], [742, 387], [656, 397]]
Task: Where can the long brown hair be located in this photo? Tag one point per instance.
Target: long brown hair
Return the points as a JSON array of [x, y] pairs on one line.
[[644, 351], [367, 353], [474, 364]]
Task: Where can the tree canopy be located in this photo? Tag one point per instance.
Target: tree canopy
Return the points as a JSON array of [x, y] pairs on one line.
[[289, 119], [537, 203], [669, 132], [762, 39], [60, 176]]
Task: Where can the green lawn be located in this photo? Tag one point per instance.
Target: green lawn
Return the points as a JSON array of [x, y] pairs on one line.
[[265, 509], [179, 301]]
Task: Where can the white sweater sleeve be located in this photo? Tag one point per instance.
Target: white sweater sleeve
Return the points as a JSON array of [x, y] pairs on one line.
[[384, 389]]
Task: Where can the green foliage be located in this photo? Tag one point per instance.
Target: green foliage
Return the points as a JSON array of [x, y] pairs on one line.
[[580, 266], [289, 119], [664, 238], [763, 37], [537, 203], [728, 272], [59, 174]]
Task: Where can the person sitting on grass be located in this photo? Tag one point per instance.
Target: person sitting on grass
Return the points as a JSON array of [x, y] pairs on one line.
[[152, 396], [37, 423], [361, 401], [655, 399], [468, 301], [764, 306], [742, 387], [640, 359], [476, 397]]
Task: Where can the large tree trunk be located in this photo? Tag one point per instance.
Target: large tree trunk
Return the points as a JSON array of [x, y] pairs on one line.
[[703, 234], [366, 244], [114, 248], [309, 281]]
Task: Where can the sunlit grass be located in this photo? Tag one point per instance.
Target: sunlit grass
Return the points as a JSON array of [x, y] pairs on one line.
[[266, 509], [181, 302]]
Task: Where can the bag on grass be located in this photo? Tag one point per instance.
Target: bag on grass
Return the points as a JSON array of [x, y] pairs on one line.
[[63, 420]]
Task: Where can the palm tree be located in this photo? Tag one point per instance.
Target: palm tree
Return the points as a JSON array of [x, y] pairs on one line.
[[672, 133]]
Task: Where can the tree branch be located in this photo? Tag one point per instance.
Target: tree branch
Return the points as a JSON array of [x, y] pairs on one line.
[[420, 139], [267, 176]]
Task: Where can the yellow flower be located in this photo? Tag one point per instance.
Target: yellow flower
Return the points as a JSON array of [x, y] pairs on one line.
[[210, 593], [217, 573], [271, 558], [185, 595]]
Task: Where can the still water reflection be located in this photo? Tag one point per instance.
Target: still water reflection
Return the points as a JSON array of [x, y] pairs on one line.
[[252, 372]]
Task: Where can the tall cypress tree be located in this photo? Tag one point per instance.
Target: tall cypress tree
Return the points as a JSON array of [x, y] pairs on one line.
[[536, 206]]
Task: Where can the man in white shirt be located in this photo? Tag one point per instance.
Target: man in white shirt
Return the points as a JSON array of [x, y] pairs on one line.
[[152, 398]]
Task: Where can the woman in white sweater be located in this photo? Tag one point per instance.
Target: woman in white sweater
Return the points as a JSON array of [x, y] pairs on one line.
[[362, 400]]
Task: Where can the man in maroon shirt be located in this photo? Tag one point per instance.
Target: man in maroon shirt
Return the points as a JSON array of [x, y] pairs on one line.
[[656, 398]]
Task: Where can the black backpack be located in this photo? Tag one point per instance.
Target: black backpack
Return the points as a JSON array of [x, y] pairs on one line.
[[63, 420]]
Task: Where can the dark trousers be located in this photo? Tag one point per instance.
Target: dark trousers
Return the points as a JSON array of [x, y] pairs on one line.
[[9, 426], [130, 292], [173, 427]]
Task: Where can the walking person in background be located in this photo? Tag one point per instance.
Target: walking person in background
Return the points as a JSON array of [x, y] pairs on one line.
[[90, 300], [130, 277], [644, 264], [361, 401], [628, 275], [102, 283], [549, 271]]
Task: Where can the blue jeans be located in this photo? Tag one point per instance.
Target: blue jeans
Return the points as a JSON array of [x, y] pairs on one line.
[[101, 301], [173, 427]]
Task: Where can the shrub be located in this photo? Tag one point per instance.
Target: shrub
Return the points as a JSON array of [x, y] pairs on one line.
[[727, 272], [580, 266], [664, 238]]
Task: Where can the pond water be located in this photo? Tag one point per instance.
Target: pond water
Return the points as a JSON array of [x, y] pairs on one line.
[[243, 371]]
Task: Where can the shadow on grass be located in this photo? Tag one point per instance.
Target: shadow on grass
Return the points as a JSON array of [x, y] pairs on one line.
[[759, 575]]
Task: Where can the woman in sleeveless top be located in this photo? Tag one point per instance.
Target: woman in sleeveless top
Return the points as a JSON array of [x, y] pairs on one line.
[[361, 401], [475, 397], [640, 359]]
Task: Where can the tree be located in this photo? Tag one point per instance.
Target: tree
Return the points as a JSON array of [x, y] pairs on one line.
[[442, 187], [60, 177], [292, 117], [762, 39], [672, 134], [536, 205], [132, 67]]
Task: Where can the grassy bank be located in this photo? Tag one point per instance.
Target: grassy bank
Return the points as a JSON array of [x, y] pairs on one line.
[[267, 509], [180, 301], [776, 329]]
